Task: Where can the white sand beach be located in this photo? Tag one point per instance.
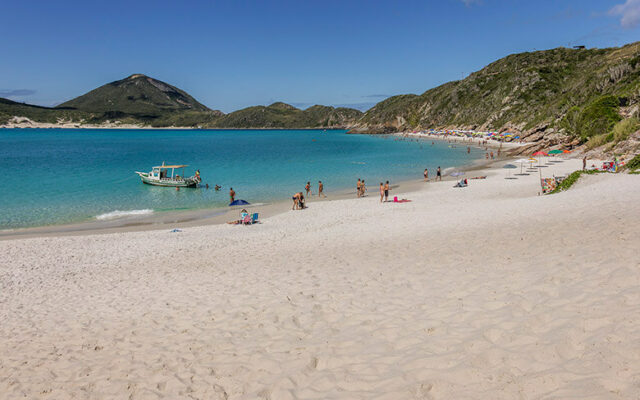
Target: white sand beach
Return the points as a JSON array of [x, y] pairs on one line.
[[484, 292]]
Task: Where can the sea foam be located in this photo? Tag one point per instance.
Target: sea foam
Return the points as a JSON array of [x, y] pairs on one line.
[[120, 214]]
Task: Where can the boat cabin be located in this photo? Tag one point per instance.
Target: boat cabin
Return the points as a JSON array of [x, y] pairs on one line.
[[162, 172]]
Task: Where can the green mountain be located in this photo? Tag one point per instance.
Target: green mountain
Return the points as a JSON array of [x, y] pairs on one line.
[[139, 97], [145, 101], [281, 115], [559, 95]]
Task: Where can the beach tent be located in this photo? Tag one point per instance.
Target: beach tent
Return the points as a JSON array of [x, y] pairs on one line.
[[239, 203]]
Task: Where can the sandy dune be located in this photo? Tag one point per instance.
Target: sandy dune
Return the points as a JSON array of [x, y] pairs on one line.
[[486, 292]]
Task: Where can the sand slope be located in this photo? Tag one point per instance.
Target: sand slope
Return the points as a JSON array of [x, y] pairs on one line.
[[487, 292]]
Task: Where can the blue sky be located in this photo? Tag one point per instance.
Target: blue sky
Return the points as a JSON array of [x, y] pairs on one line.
[[234, 54]]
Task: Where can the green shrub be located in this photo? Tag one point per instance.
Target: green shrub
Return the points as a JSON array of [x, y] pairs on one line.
[[595, 120], [624, 128], [571, 179], [598, 140], [634, 164], [599, 117]]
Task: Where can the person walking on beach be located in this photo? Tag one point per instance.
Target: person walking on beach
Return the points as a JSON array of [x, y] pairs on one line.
[[307, 187], [584, 163], [358, 188], [381, 192], [363, 188], [438, 174], [232, 195], [386, 191], [321, 189], [426, 174]]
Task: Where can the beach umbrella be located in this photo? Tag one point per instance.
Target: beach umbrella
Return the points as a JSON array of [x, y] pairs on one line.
[[539, 154], [522, 161], [566, 151], [239, 203], [530, 167], [554, 153], [509, 167]]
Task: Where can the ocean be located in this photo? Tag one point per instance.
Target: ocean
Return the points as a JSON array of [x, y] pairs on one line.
[[58, 176]]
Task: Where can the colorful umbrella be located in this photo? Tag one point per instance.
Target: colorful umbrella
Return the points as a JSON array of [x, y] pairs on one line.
[[557, 151]]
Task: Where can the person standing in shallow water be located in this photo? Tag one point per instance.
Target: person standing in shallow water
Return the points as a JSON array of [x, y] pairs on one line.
[[321, 189], [232, 195], [426, 174], [307, 187], [438, 174], [381, 192], [358, 188]]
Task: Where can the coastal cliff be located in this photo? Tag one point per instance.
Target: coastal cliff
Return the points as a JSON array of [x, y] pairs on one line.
[[555, 97]]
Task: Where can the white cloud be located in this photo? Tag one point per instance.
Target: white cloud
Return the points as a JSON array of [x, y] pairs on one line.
[[629, 13]]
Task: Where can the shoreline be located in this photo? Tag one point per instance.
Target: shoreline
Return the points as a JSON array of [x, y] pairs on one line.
[[143, 127], [489, 289], [212, 216]]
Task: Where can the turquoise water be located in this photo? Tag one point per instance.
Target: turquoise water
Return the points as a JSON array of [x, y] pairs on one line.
[[53, 176]]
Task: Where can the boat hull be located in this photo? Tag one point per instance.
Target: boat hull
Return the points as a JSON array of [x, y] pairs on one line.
[[188, 182]]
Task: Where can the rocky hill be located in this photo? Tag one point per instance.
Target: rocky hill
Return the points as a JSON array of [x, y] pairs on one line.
[[548, 97]]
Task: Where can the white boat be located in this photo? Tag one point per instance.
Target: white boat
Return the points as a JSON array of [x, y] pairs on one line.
[[160, 176]]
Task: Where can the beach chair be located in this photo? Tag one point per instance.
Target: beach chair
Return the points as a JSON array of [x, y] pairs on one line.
[[254, 218]]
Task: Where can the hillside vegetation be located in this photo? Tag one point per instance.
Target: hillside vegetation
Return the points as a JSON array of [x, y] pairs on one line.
[[281, 115], [575, 94]]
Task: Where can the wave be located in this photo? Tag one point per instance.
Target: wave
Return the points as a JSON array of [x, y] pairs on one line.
[[120, 214]]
